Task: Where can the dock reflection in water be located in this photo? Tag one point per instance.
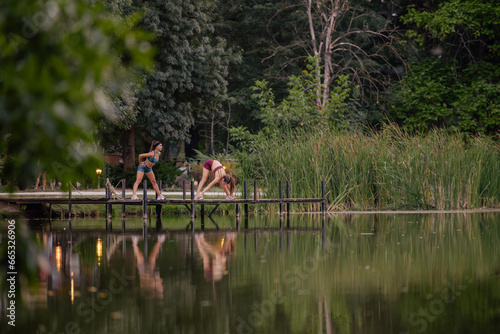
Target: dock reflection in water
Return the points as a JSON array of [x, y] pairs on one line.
[[429, 273]]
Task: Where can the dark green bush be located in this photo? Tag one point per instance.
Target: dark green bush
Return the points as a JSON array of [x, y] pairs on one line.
[[167, 172], [117, 173]]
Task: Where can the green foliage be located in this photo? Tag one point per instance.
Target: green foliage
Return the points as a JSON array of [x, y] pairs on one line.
[[118, 173], [61, 62], [337, 108], [472, 19], [191, 66], [477, 99], [252, 26], [435, 93], [167, 172], [300, 108]]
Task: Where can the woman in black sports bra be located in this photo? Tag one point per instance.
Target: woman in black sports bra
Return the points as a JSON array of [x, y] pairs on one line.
[[146, 167]]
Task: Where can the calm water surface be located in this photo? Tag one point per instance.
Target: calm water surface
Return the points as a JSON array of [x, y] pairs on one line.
[[380, 273]]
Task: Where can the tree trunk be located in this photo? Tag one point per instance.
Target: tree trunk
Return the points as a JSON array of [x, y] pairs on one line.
[[316, 52], [212, 125], [129, 149], [190, 146]]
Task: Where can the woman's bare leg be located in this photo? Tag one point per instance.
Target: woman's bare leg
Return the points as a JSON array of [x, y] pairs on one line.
[[151, 177], [138, 180], [204, 179]]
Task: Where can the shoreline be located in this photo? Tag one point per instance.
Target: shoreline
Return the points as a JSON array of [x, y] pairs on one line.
[[98, 210]]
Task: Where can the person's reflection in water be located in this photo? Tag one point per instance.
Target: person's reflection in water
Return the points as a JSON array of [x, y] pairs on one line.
[[151, 282], [215, 256]]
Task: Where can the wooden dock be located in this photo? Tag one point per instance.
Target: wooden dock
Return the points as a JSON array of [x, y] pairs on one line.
[[110, 199]]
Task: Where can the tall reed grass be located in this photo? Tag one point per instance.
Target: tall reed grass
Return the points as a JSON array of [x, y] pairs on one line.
[[381, 170]]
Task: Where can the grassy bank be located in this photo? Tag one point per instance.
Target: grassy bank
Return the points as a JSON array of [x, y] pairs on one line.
[[387, 170]]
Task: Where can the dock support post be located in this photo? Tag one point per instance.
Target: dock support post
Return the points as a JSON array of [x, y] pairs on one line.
[[183, 189], [245, 192], [145, 236], [123, 196], [145, 199], [158, 208], [202, 217]]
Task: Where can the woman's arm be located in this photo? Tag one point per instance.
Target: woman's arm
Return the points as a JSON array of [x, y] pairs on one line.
[[215, 180], [146, 155], [225, 187]]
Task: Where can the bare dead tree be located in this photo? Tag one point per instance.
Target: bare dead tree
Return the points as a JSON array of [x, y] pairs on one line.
[[328, 42], [333, 37]]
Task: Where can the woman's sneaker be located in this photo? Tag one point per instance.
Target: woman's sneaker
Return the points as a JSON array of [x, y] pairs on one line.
[[134, 197], [161, 197], [230, 197]]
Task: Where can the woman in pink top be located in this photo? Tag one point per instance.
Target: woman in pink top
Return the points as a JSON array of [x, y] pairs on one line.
[[225, 180]]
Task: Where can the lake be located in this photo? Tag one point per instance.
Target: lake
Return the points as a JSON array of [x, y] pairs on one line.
[[361, 273]]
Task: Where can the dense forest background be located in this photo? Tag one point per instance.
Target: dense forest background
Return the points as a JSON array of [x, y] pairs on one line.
[[244, 65], [214, 76]]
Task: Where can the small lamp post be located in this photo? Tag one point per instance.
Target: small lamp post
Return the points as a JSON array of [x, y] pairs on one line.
[[98, 172]]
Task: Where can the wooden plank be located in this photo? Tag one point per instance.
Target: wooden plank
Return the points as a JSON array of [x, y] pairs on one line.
[[58, 201], [150, 201], [167, 201]]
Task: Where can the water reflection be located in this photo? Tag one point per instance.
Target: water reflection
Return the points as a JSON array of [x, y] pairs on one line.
[[150, 281], [361, 273], [215, 254]]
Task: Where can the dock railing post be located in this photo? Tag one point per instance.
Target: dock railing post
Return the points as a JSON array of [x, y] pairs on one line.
[[192, 206], [124, 187], [183, 189], [288, 196], [245, 196], [145, 199], [281, 197], [109, 212], [323, 206], [69, 202], [288, 204], [323, 195]]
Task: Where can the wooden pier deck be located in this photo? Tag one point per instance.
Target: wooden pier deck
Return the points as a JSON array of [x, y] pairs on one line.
[[110, 199]]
